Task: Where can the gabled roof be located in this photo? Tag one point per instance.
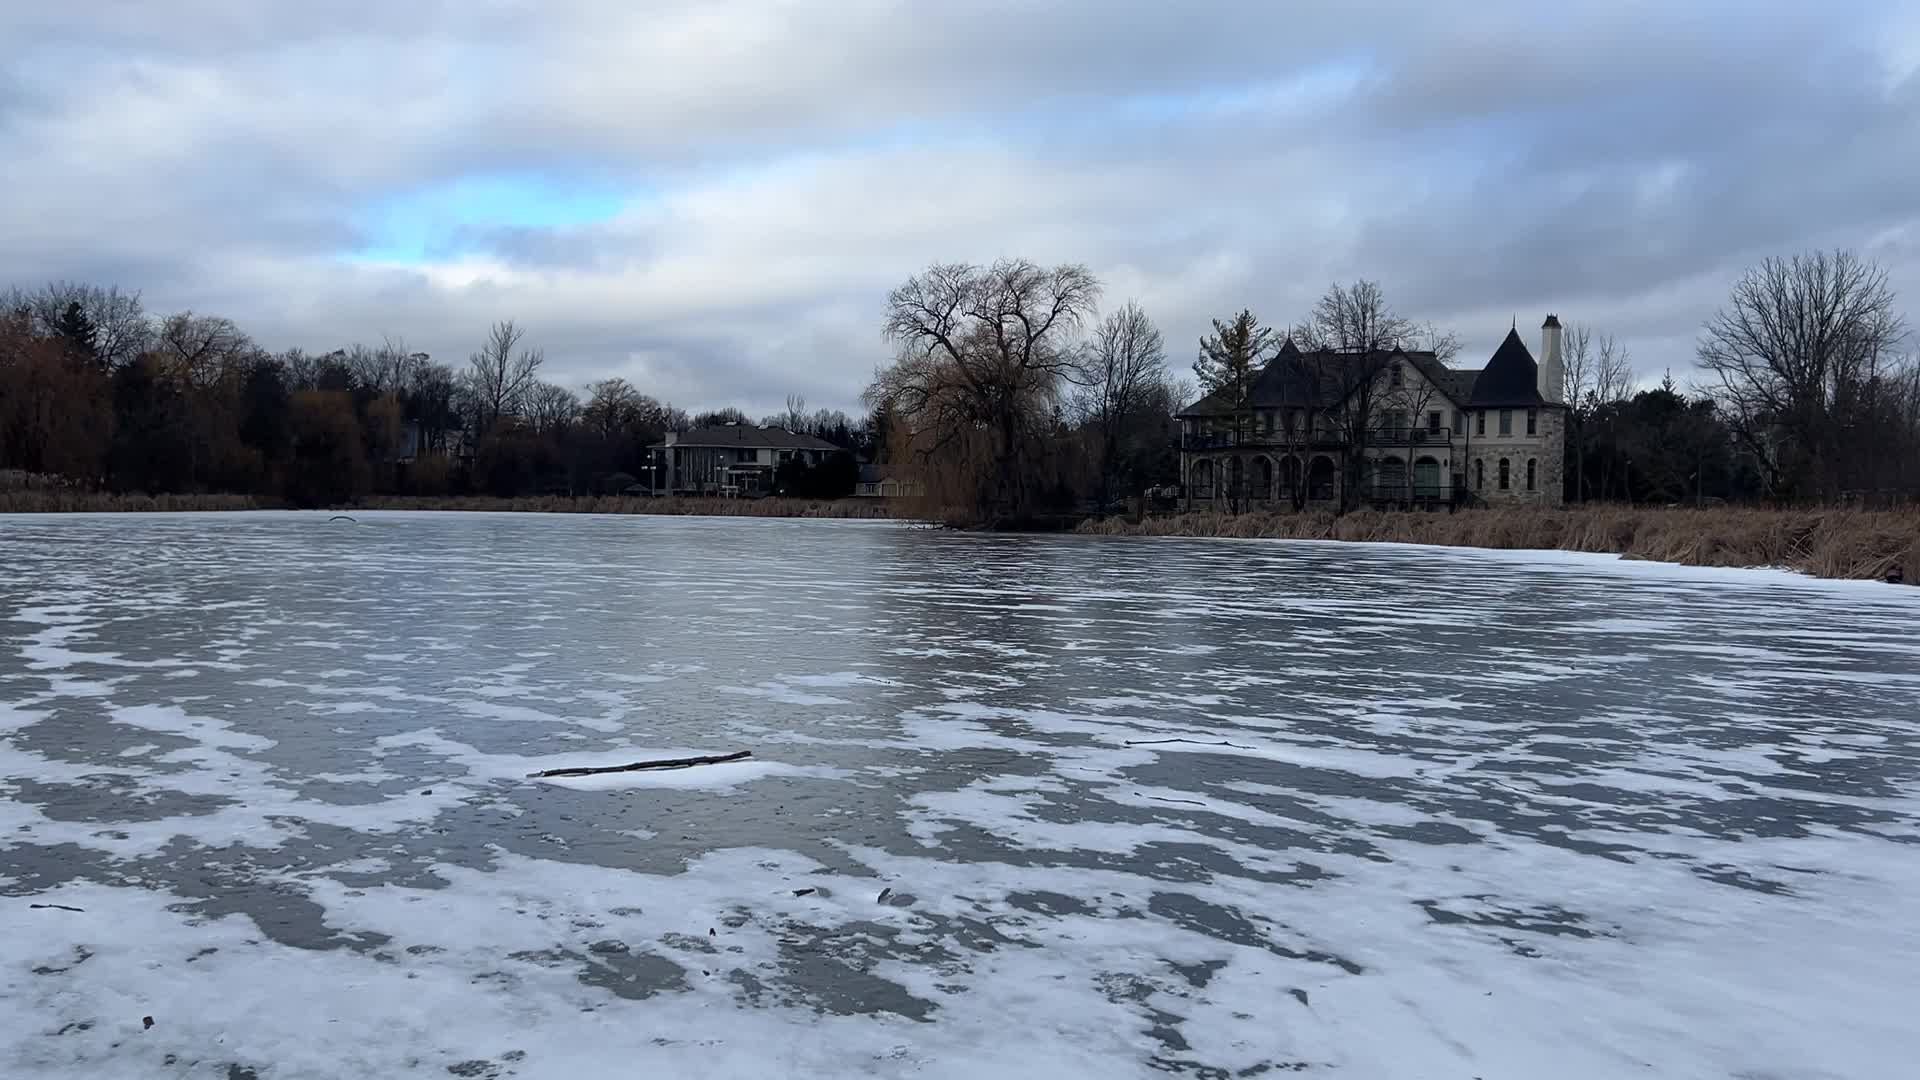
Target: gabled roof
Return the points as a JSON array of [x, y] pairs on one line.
[[1510, 378], [747, 435], [1456, 383], [1295, 379]]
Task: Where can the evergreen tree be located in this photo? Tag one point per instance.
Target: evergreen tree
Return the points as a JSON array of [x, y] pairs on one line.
[[1229, 361], [77, 333]]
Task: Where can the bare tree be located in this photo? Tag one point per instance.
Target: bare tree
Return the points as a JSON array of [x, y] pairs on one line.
[[1799, 346], [199, 349], [1599, 375], [431, 391], [501, 377], [1443, 344], [1124, 365], [795, 418], [1354, 333], [984, 355], [721, 417], [550, 409], [387, 369], [613, 406]]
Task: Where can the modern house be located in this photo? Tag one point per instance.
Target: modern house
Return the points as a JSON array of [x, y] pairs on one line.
[[733, 459], [1422, 433]]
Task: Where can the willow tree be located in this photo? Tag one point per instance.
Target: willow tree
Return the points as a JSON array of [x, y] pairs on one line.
[[985, 354]]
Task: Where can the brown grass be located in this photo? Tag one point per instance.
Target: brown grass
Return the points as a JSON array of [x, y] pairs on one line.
[[622, 504], [76, 501], [29, 493], [1836, 543]]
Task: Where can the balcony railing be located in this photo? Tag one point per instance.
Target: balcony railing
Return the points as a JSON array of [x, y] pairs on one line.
[[1392, 492], [1260, 439]]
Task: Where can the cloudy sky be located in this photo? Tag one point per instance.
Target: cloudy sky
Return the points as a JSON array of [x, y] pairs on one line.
[[712, 197]]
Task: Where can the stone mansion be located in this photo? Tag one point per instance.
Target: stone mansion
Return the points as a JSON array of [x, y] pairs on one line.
[[1433, 435]]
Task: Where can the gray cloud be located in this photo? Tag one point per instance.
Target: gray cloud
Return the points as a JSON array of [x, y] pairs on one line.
[[1617, 163]]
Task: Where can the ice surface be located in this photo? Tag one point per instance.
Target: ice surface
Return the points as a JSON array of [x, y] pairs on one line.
[[1054, 807]]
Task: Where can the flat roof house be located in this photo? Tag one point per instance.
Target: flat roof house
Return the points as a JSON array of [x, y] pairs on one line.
[[732, 459]]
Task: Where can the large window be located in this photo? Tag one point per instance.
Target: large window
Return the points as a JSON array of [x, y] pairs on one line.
[[1506, 474], [1203, 478], [1433, 422], [1459, 422], [1506, 421], [1533, 421], [1480, 422]]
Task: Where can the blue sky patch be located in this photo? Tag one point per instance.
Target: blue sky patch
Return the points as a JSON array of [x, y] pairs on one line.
[[451, 218]]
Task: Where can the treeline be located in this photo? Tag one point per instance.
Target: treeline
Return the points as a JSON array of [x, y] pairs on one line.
[[1014, 399], [95, 390]]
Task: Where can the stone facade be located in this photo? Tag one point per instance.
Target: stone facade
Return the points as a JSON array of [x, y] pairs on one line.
[[1545, 450], [1435, 434]]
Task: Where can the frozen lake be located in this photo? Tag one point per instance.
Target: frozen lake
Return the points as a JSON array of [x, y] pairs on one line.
[[1018, 806]]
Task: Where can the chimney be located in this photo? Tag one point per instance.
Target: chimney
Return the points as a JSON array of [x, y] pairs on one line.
[[1552, 370]]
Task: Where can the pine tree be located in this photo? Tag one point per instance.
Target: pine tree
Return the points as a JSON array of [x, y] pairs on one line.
[[1229, 362], [78, 334]]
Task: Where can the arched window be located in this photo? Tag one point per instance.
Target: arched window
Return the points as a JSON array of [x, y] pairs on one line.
[[1480, 474], [1426, 478], [1391, 478], [1320, 479], [1506, 474], [1203, 477], [1530, 468], [1263, 477]]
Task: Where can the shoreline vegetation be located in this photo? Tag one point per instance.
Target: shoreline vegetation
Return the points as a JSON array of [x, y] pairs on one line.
[[1828, 542], [668, 506], [70, 501]]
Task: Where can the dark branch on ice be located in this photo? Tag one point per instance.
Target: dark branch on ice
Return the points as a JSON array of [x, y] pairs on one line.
[[1195, 742], [640, 766]]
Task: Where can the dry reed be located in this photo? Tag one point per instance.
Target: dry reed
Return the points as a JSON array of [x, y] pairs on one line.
[[76, 501], [624, 504], [1825, 542]]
